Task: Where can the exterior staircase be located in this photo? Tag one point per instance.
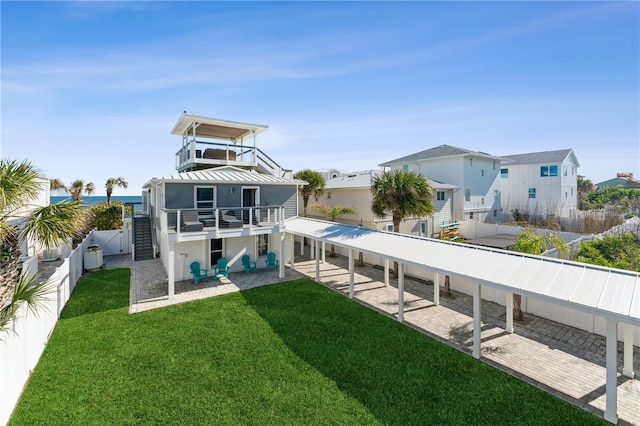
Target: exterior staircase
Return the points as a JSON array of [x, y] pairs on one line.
[[142, 238]]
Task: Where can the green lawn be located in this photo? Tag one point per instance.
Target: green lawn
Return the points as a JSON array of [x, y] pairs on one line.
[[291, 353]]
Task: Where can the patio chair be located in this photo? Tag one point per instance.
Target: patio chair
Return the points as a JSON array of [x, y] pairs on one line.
[[248, 265], [198, 274], [190, 221], [272, 262], [221, 268]]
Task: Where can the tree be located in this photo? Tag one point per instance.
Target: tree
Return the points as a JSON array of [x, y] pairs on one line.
[[332, 213], [78, 186], [620, 251], [56, 185], [584, 187], [111, 182], [20, 185], [403, 194], [532, 243], [315, 186]]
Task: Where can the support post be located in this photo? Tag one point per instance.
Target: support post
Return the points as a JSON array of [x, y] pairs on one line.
[[315, 243], [436, 288], [627, 369], [400, 292], [386, 272], [611, 398], [282, 255], [323, 251], [351, 280], [172, 270], [292, 238], [508, 303], [477, 335]]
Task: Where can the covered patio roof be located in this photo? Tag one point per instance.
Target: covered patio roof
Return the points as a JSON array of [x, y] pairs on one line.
[[215, 128], [611, 293]]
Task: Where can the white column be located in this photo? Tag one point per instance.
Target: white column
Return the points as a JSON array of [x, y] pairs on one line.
[[386, 272], [436, 288], [627, 369], [292, 238], [611, 398], [323, 251], [400, 292], [351, 269], [477, 293], [171, 272], [282, 256], [315, 243], [302, 246], [508, 303]]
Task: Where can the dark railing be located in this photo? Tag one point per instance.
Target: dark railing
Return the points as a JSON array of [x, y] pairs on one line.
[[223, 218]]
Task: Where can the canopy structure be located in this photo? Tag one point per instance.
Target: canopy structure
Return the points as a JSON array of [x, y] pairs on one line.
[[610, 293], [199, 126]]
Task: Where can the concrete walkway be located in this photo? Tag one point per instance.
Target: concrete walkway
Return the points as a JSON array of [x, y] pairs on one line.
[[564, 361]]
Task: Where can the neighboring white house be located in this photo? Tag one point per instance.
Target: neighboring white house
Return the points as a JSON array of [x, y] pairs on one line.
[[540, 183], [476, 174], [354, 190], [205, 212]]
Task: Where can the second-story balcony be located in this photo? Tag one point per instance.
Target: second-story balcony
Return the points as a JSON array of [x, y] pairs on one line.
[[198, 224]]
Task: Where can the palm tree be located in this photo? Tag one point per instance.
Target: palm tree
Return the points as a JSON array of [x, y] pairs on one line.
[[314, 186], [56, 185], [78, 186], [111, 182], [20, 184], [532, 243], [332, 213], [403, 194]]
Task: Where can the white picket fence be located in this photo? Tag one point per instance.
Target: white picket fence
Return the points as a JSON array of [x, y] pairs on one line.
[[21, 348]]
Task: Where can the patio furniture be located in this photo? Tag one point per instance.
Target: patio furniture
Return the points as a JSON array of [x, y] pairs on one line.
[[228, 219], [272, 262], [190, 221], [248, 265], [221, 268], [198, 274]]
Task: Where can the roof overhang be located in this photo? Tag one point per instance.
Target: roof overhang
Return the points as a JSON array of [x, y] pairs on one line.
[[215, 128]]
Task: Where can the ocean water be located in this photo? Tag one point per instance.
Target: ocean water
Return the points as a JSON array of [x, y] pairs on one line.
[[94, 199]]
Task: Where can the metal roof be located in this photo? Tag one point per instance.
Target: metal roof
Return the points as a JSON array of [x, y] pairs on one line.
[[215, 128], [439, 152], [225, 174], [608, 292], [557, 156]]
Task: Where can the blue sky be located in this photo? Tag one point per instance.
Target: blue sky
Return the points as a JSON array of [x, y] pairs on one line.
[[91, 90]]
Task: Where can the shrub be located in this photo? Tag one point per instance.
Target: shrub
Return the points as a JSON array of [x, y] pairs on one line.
[[106, 216]]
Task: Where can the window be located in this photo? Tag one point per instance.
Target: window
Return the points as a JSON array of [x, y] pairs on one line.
[[482, 172], [440, 195], [205, 197], [494, 165], [423, 228], [390, 228], [544, 171], [504, 173], [495, 213], [495, 194], [405, 168], [571, 191], [470, 215], [263, 244], [328, 195], [482, 201], [553, 170], [564, 170], [467, 195], [532, 193], [470, 162], [566, 195]]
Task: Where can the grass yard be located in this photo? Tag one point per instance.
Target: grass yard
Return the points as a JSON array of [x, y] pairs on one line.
[[291, 353]]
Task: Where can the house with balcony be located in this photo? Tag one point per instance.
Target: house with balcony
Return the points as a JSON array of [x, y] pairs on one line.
[[228, 199], [470, 180], [540, 184]]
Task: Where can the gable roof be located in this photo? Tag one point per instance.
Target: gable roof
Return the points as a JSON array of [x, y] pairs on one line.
[[440, 151], [557, 156], [224, 174]]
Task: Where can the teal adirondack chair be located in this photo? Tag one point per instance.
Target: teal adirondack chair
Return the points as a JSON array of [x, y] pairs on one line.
[[198, 274], [248, 265], [221, 268], [272, 262]]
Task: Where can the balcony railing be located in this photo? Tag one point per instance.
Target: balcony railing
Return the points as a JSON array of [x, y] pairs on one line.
[[197, 155], [216, 222]]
